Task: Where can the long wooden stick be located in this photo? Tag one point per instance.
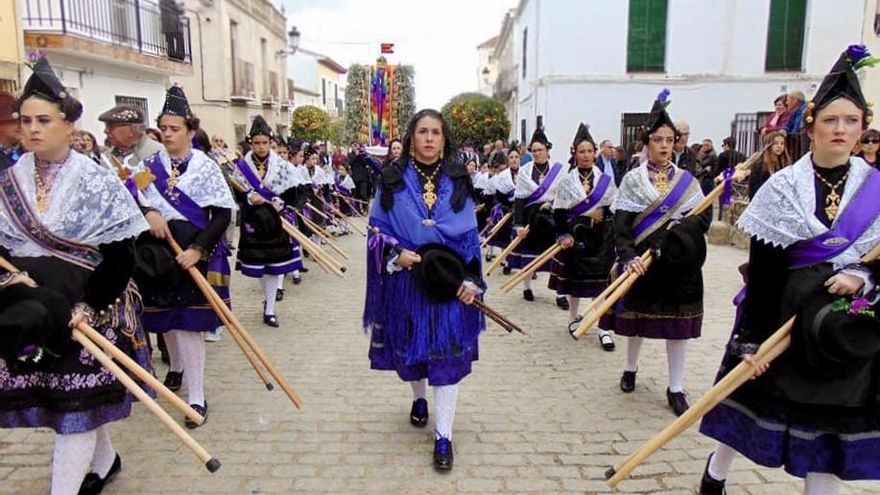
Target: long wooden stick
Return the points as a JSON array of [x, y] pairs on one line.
[[631, 277], [351, 199], [775, 345], [219, 306], [506, 252], [497, 317], [532, 267], [342, 217], [319, 212], [324, 260], [211, 463], [496, 229], [322, 234]]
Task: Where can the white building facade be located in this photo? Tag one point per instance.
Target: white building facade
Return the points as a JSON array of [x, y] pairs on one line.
[[487, 68], [319, 80], [597, 61]]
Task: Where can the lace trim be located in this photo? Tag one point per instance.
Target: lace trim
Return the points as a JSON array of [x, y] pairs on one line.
[[636, 193]]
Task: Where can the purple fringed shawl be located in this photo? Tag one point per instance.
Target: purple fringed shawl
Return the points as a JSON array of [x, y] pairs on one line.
[[415, 327]]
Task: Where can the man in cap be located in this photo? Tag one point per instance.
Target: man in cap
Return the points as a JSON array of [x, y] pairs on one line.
[[125, 130], [10, 128]]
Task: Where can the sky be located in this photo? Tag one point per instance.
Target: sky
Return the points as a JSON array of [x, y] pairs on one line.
[[438, 38]]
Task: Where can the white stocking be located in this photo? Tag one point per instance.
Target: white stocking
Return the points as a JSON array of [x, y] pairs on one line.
[[174, 361], [675, 352], [573, 304], [192, 353], [70, 461], [821, 484], [270, 286], [527, 283], [105, 454], [445, 399], [722, 458], [633, 348], [419, 388]]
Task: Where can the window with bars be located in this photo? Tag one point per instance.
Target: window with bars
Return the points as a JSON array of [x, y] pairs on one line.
[[135, 102], [525, 46], [646, 36], [785, 35]]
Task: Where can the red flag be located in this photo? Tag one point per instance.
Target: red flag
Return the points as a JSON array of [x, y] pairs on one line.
[[387, 48]]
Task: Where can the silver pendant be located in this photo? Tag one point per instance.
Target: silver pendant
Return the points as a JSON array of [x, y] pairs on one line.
[[429, 222]]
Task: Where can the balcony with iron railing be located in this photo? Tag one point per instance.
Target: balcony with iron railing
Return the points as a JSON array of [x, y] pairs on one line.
[[139, 31], [271, 95], [287, 101], [243, 87]]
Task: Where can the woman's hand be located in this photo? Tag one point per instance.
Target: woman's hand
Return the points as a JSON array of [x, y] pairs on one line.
[[597, 215], [406, 259], [759, 370], [20, 278], [844, 284], [637, 265], [546, 207], [566, 241], [256, 199], [158, 225], [466, 294], [521, 232], [79, 314], [188, 258]]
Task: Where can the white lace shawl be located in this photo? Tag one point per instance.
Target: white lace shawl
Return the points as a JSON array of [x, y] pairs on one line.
[[347, 183], [525, 186], [321, 177], [489, 188], [87, 205], [570, 191], [636, 193], [280, 175], [504, 182], [203, 182], [783, 210], [480, 180]]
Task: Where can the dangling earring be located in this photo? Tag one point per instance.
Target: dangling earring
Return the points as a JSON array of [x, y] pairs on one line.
[[441, 153]]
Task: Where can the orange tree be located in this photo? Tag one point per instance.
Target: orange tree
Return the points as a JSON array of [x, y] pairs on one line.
[[476, 119], [310, 123]]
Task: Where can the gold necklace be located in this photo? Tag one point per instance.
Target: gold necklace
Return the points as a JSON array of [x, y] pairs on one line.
[[660, 178], [585, 180], [832, 201], [542, 173], [261, 166], [429, 196], [42, 193]]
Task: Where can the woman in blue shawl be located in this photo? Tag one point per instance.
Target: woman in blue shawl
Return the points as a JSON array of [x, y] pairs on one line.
[[423, 222]]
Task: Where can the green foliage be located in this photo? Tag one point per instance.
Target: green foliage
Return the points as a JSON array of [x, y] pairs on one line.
[[310, 123], [356, 111], [476, 118], [336, 132], [406, 96]]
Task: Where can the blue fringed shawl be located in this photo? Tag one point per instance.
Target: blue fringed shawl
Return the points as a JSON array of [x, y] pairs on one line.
[[415, 327]]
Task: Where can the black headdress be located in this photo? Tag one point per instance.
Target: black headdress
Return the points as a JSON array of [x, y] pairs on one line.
[[582, 134], [842, 81], [658, 117], [539, 137], [45, 84], [176, 103], [260, 128], [309, 151]]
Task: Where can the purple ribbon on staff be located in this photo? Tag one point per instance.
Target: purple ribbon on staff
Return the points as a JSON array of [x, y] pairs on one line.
[[376, 246], [496, 214], [728, 186]]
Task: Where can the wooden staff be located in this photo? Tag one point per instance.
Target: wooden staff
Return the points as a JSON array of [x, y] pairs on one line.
[[504, 254], [629, 277], [220, 307], [211, 463], [497, 317], [496, 228], [357, 211], [775, 345], [319, 212], [342, 217], [323, 234], [533, 266], [366, 203]]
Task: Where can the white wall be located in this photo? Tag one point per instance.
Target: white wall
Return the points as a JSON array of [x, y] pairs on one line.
[[303, 69]]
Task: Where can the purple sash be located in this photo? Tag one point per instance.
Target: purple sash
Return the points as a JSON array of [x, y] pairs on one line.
[[591, 200], [535, 197], [658, 212], [254, 181], [859, 214]]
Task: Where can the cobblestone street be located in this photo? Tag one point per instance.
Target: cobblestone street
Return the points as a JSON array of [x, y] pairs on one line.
[[540, 414]]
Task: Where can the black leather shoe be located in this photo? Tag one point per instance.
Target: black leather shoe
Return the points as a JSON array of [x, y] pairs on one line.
[[628, 381], [562, 302], [506, 270], [418, 415], [173, 380], [270, 320], [297, 280], [203, 410], [489, 258], [607, 342], [443, 454], [528, 295], [677, 401], [94, 484], [304, 269], [279, 295], [709, 485]]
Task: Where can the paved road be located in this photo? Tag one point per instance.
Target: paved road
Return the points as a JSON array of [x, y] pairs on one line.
[[540, 414]]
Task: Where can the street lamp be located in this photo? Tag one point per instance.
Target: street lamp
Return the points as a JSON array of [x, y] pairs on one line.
[[292, 43]]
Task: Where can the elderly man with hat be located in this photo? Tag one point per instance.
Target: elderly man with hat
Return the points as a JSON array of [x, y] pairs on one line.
[[10, 128], [125, 130]]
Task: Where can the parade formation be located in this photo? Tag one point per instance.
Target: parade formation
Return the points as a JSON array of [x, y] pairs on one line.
[[108, 257]]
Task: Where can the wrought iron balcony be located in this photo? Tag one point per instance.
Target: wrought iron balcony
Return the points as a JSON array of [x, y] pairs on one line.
[[152, 27]]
